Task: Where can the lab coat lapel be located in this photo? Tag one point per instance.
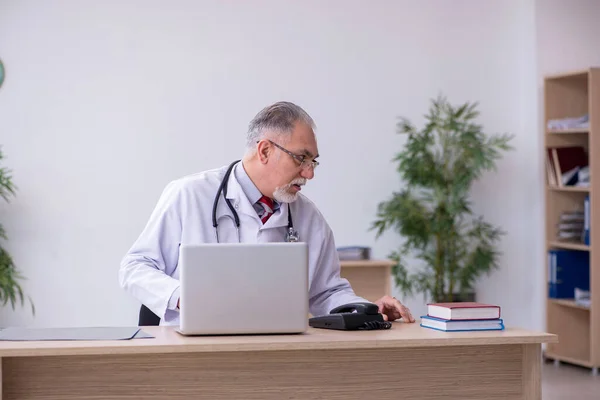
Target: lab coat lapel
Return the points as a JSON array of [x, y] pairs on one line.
[[239, 199], [280, 218]]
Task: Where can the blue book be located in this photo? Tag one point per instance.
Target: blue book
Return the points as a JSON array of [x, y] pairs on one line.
[[567, 270], [446, 325], [586, 220]]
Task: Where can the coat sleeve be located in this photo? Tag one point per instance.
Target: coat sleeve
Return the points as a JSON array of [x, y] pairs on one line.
[[146, 269], [328, 289]]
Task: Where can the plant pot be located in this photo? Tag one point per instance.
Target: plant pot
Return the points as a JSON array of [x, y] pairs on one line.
[[457, 297]]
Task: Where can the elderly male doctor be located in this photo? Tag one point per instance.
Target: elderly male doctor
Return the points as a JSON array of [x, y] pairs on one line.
[[281, 157]]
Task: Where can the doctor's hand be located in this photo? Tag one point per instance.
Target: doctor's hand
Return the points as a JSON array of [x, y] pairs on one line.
[[392, 309]]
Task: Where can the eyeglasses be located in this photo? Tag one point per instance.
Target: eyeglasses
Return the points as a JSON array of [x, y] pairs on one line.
[[302, 159]]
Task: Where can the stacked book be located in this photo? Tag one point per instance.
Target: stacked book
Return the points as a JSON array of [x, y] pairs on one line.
[[571, 226], [462, 316], [354, 253]]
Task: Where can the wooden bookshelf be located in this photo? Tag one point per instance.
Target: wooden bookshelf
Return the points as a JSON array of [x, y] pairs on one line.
[[371, 279], [557, 244], [570, 360], [568, 131], [584, 189], [568, 303], [569, 95]]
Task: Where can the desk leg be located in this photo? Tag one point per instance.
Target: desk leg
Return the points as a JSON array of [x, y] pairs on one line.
[[532, 371]]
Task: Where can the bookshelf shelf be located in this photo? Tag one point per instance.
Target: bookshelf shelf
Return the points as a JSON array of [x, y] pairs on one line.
[[569, 303], [583, 189], [571, 360], [567, 131], [557, 244], [572, 153]]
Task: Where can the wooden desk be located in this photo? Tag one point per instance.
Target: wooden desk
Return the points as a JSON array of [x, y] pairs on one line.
[[407, 361], [371, 279]]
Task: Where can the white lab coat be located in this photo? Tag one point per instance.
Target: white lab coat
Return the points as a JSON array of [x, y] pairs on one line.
[[183, 215]]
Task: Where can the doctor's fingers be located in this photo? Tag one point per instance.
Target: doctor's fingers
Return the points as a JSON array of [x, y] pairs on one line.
[[404, 311]]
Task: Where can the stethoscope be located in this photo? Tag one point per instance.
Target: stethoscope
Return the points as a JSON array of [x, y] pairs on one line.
[[291, 234]]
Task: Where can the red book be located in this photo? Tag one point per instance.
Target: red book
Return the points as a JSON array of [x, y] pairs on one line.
[[463, 310]]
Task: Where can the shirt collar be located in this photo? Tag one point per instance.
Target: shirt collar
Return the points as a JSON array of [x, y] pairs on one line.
[[248, 187]]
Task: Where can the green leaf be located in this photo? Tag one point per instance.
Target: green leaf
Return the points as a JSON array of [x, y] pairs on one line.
[[433, 214], [11, 291]]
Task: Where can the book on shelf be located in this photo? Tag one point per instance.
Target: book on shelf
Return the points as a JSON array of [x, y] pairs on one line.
[[552, 179], [583, 297], [354, 253], [568, 270], [567, 166], [574, 226], [462, 316], [576, 122], [586, 220]]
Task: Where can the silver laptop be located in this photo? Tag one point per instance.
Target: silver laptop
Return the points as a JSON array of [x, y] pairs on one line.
[[243, 288]]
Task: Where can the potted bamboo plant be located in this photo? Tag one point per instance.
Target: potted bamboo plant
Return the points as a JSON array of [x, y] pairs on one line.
[[433, 213], [10, 287]]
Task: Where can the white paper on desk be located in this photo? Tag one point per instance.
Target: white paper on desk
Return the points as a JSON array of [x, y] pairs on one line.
[[94, 333], [143, 335]]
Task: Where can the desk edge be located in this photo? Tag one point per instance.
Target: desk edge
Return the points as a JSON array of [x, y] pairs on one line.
[[126, 347]]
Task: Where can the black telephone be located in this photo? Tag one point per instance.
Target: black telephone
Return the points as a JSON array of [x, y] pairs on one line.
[[352, 316]]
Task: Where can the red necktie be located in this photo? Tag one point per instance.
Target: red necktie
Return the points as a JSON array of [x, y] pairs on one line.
[[267, 205]]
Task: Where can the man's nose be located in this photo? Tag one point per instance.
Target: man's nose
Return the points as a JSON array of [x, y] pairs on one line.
[[307, 173]]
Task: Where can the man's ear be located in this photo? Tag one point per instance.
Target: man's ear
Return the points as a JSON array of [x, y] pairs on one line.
[[264, 150]]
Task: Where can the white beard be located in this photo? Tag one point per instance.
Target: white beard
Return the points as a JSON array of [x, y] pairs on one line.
[[282, 193]]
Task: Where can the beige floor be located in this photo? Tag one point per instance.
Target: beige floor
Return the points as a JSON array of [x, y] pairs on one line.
[[569, 382]]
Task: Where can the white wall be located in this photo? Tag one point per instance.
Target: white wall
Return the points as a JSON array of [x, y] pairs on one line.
[[104, 103], [568, 35]]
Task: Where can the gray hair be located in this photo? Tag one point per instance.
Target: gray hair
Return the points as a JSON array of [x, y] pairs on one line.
[[278, 118]]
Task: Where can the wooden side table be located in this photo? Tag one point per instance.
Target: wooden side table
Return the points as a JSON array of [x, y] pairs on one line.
[[371, 279]]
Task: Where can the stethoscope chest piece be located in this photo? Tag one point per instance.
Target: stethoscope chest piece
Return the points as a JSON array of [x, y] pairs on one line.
[[291, 235]]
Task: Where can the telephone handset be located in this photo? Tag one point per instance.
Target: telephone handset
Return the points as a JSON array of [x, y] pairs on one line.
[[361, 308], [352, 316]]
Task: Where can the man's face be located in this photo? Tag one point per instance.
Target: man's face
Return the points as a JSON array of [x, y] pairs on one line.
[[287, 172]]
